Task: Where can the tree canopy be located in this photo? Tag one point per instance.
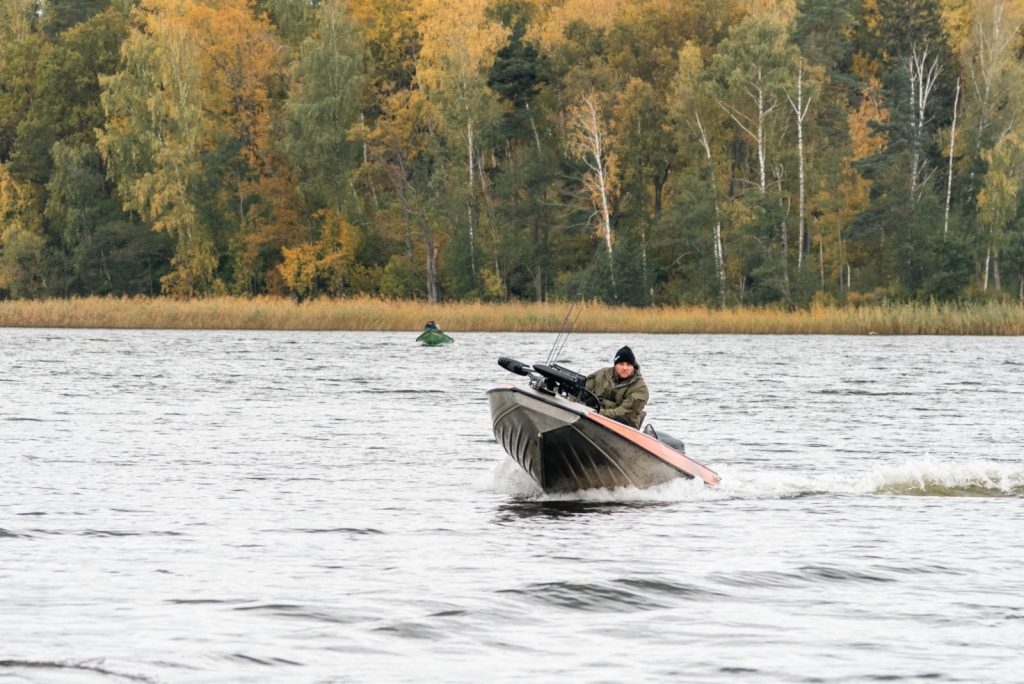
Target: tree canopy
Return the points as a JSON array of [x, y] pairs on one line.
[[643, 152]]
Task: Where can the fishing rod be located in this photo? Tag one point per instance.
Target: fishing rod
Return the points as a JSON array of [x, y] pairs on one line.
[[569, 322]]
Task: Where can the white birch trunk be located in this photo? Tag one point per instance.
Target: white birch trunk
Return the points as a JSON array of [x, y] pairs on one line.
[[800, 108], [719, 253], [761, 163], [923, 77], [821, 254], [591, 142], [469, 197], [952, 147], [988, 265]]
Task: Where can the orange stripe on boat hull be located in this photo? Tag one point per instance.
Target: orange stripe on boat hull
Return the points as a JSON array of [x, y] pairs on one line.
[[659, 449]]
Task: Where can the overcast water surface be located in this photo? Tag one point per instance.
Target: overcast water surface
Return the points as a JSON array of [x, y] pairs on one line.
[[220, 506]]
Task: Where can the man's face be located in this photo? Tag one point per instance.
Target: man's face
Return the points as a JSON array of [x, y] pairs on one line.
[[624, 370]]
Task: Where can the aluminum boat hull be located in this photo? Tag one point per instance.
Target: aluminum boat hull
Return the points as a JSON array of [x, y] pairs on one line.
[[568, 447]]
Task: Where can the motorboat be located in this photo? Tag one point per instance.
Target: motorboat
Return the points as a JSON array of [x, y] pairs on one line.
[[552, 429]]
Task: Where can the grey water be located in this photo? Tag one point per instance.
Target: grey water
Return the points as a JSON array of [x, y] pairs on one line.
[[223, 506]]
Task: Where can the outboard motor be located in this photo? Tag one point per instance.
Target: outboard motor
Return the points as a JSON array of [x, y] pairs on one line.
[[566, 382], [513, 366], [666, 438], [553, 379]]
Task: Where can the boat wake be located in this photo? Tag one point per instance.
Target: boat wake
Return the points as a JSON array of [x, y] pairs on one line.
[[924, 476]]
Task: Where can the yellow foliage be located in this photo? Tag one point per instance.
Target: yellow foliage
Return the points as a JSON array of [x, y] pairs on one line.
[[956, 19], [863, 139], [18, 205], [782, 11], [312, 268], [997, 202], [551, 29], [457, 37]]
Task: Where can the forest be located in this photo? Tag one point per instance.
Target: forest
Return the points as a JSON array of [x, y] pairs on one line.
[[641, 153]]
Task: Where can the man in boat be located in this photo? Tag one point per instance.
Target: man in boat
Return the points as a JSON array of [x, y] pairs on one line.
[[621, 389], [429, 326]]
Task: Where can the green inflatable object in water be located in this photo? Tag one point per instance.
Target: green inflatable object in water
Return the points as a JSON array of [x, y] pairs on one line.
[[432, 337]]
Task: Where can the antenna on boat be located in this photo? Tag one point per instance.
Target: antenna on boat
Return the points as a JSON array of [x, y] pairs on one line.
[[569, 323]]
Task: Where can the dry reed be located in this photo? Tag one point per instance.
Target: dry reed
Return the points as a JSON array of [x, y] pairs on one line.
[[365, 313]]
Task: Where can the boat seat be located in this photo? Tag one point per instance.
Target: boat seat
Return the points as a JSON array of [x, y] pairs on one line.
[[665, 438]]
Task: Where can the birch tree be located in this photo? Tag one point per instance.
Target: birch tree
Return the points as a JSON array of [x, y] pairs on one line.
[[588, 142], [326, 82], [460, 42], [401, 150], [751, 71], [923, 70], [993, 70], [691, 113], [800, 97], [994, 111], [152, 139], [752, 66], [188, 134], [998, 201]]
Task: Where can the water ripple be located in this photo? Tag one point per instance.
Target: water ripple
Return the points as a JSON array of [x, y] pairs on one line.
[[44, 665], [292, 507], [587, 597]]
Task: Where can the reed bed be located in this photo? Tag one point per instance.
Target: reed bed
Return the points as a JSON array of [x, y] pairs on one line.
[[365, 313]]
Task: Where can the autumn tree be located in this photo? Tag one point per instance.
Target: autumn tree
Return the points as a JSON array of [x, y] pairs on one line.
[[188, 134], [910, 48], [460, 43], [699, 126], [323, 104], [752, 71], [86, 243], [525, 177], [588, 141], [400, 149], [994, 109]]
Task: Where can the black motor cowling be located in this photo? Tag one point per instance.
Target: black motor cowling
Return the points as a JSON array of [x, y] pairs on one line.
[[513, 366], [554, 379]]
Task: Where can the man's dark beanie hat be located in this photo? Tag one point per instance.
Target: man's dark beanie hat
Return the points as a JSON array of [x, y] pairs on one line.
[[626, 354]]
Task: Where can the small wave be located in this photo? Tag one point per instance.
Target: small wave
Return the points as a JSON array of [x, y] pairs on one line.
[[924, 476], [831, 573], [297, 611], [927, 477], [412, 630], [862, 393], [588, 597], [339, 530], [118, 533], [69, 666], [204, 601], [269, 662], [668, 588]]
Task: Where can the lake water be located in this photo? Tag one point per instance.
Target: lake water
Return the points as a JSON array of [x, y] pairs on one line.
[[219, 506]]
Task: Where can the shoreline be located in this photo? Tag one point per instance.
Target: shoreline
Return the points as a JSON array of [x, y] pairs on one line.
[[369, 314]]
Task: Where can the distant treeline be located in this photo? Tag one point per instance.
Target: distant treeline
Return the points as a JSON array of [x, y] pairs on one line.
[[637, 152]]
